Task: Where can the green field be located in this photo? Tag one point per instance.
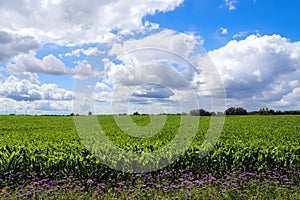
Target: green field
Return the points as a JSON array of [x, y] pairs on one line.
[[36, 148]]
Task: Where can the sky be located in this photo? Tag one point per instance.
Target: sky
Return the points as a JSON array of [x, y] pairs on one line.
[[113, 56]]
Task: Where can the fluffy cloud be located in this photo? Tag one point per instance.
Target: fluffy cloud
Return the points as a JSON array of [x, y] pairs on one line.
[[28, 66], [12, 45], [75, 21], [291, 100], [261, 69], [24, 90], [181, 44], [27, 24], [84, 70], [152, 70], [29, 63]]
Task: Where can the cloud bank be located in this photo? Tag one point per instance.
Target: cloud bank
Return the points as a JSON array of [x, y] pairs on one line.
[[262, 70]]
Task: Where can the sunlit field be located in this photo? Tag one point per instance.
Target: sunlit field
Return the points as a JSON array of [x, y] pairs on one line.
[[256, 157]]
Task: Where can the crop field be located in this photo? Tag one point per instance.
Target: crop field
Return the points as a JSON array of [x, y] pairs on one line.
[[255, 157]]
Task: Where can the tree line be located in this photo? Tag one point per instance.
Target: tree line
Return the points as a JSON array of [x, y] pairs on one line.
[[243, 111]]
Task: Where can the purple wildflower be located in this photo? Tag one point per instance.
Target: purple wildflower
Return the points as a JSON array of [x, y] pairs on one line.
[[101, 185], [118, 190], [166, 189], [89, 181], [6, 194], [121, 184], [198, 183], [130, 191], [289, 183], [211, 177]]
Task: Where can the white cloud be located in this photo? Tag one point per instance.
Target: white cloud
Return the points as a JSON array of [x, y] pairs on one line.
[[224, 31], [31, 77], [28, 66], [29, 63], [12, 45], [75, 21], [240, 34], [181, 44], [84, 70], [87, 52], [152, 71], [231, 4], [292, 99], [40, 107], [259, 69], [24, 90], [102, 86]]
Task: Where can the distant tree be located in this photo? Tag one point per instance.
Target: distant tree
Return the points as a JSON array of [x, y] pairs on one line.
[[90, 113], [278, 112], [263, 111], [241, 111], [200, 112], [267, 111], [236, 111], [230, 111], [72, 114], [220, 113], [136, 113]]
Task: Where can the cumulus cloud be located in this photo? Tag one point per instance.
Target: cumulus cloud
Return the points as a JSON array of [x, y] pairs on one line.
[[25, 25], [27, 66], [84, 70], [101, 87], [290, 100], [12, 45], [181, 44], [75, 21], [24, 90], [259, 69], [154, 70], [29, 63]]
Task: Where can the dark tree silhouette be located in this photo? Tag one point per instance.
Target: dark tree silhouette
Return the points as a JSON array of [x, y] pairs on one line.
[[236, 111]]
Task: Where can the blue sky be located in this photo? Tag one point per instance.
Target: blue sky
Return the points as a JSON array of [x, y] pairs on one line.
[[205, 18], [51, 48]]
